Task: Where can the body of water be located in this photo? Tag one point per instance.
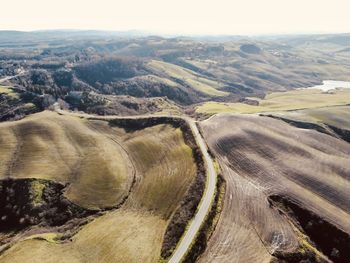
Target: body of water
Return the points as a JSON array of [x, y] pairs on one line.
[[332, 84]]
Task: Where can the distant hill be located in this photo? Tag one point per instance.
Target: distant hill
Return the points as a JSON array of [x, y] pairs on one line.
[[184, 70]]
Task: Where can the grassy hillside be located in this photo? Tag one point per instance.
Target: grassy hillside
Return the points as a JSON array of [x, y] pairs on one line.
[[158, 170], [190, 78], [282, 101], [119, 236], [158, 193], [64, 149], [156, 153], [261, 157]]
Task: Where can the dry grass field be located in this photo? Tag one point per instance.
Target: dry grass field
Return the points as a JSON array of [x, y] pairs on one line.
[[155, 162], [119, 236], [282, 101], [163, 162], [64, 149], [167, 169], [260, 157]]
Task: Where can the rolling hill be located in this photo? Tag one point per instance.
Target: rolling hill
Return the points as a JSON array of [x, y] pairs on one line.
[[124, 76], [78, 187], [127, 185]]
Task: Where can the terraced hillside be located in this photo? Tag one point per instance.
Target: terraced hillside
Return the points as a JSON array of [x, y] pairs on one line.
[[287, 191], [127, 185]]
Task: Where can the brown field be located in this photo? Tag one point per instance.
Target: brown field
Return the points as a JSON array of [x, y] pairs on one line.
[[260, 157], [157, 165]]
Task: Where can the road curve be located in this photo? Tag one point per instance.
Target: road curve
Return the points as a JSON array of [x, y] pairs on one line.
[[205, 204]]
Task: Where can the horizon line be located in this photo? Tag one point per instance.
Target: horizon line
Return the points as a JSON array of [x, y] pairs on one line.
[[157, 33]]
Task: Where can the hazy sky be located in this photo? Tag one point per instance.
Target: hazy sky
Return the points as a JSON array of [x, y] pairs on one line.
[[179, 16]]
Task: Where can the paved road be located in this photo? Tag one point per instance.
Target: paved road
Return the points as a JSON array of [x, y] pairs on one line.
[[207, 198], [205, 204]]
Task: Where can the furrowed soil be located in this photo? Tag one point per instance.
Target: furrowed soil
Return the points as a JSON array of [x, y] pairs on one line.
[[261, 158]]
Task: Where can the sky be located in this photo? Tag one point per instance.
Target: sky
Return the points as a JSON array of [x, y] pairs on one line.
[[185, 17]]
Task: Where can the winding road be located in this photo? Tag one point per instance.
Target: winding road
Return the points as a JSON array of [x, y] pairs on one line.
[[204, 207]]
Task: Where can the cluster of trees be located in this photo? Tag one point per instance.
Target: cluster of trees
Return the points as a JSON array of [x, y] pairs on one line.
[[107, 70], [26, 202]]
